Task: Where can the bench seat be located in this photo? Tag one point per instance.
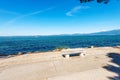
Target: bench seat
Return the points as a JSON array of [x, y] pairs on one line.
[[69, 53]]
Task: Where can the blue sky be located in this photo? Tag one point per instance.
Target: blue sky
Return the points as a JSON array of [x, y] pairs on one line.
[[49, 17]]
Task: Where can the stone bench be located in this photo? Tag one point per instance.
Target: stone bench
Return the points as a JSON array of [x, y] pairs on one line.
[[69, 53]]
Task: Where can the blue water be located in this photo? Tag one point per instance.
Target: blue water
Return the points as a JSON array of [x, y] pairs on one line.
[[13, 45]]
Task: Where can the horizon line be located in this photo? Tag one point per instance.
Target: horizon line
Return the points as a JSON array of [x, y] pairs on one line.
[[60, 34]]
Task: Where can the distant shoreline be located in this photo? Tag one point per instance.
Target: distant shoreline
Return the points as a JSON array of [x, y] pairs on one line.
[[105, 33]]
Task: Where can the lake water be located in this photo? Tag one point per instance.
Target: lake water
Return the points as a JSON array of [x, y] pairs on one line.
[[13, 45]]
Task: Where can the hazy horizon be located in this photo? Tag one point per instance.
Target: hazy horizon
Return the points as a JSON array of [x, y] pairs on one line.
[[30, 18], [61, 34]]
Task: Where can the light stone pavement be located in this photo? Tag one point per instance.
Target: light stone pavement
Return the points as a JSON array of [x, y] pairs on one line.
[[89, 67]]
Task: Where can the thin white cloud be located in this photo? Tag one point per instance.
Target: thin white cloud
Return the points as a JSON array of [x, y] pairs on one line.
[[25, 15], [9, 12], [76, 9]]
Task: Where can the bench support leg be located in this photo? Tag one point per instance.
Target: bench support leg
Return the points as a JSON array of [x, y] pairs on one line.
[[67, 56], [82, 55]]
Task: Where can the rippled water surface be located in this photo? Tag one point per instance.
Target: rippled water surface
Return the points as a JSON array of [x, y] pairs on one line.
[[13, 45]]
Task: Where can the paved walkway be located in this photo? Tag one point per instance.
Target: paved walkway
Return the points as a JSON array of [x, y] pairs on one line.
[[51, 66], [49, 69], [95, 74]]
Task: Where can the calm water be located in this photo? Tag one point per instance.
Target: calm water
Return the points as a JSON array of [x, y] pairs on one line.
[[13, 45]]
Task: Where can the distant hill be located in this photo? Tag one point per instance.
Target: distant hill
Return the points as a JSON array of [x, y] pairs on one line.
[[112, 32]]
